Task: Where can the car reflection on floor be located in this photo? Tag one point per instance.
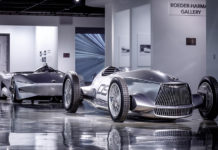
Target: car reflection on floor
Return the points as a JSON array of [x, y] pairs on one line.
[[48, 126]]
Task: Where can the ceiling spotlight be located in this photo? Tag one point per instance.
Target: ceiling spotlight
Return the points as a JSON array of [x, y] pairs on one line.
[[77, 1]]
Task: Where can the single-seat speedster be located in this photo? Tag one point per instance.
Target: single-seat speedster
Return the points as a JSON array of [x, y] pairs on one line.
[[43, 83], [148, 93]]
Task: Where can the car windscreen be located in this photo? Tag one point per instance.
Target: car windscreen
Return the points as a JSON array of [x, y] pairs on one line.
[[45, 69]]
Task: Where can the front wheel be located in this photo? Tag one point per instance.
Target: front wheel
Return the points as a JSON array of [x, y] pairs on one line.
[[208, 87], [71, 93], [118, 100]]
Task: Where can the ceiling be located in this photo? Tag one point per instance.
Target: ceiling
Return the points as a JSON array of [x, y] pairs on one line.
[[91, 8]]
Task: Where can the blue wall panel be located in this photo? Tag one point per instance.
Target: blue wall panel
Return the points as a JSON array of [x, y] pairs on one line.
[[90, 55]]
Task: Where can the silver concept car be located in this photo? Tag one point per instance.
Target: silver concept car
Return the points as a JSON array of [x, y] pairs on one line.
[[147, 93], [43, 83]]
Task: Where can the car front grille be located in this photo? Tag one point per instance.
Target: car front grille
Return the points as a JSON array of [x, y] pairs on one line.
[[172, 112], [173, 95]]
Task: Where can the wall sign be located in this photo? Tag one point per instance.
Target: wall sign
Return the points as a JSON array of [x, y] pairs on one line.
[[143, 50], [191, 41], [187, 7], [43, 55], [66, 55]]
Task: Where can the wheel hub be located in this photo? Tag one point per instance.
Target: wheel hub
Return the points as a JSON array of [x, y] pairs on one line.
[[67, 93], [206, 89], [115, 100]]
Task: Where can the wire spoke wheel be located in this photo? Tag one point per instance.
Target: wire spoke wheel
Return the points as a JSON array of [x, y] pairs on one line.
[[71, 93], [118, 100], [67, 93], [115, 100]]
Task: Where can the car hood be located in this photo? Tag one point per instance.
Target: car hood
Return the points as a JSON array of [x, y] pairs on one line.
[[148, 75], [40, 78]]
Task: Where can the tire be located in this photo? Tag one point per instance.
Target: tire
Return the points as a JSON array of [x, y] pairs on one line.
[[2, 96], [71, 98], [208, 87], [14, 93], [122, 102]]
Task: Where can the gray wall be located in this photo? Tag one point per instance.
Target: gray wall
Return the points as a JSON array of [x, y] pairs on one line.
[[170, 53], [212, 38]]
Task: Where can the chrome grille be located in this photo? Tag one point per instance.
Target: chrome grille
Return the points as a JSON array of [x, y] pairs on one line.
[[172, 112], [174, 95]]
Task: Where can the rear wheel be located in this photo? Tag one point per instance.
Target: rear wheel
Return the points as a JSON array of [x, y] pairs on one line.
[[118, 100], [2, 96], [14, 93], [71, 93], [208, 87]]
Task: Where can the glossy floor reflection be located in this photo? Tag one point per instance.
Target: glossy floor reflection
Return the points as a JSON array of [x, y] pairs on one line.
[[48, 126]]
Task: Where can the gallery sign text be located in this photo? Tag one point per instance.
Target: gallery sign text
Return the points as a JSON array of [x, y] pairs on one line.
[[187, 8]]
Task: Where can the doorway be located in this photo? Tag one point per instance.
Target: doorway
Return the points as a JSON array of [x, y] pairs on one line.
[[5, 52]]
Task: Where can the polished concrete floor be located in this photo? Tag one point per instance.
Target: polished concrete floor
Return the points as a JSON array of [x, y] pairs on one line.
[[48, 126]]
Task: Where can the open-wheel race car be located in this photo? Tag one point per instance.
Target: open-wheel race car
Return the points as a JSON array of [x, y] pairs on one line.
[[43, 83], [147, 93]]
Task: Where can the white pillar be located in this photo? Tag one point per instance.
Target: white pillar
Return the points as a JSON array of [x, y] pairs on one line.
[[66, 44], [109, 34]]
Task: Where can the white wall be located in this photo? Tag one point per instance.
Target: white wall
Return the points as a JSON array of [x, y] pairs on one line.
[[66, 44], [109, 34], [22, 47], [170, 53], [121, 38], [140, 34], [111, 8], [23, 30], [212, 36], [46, 40], [168, 38], [25, 44]]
